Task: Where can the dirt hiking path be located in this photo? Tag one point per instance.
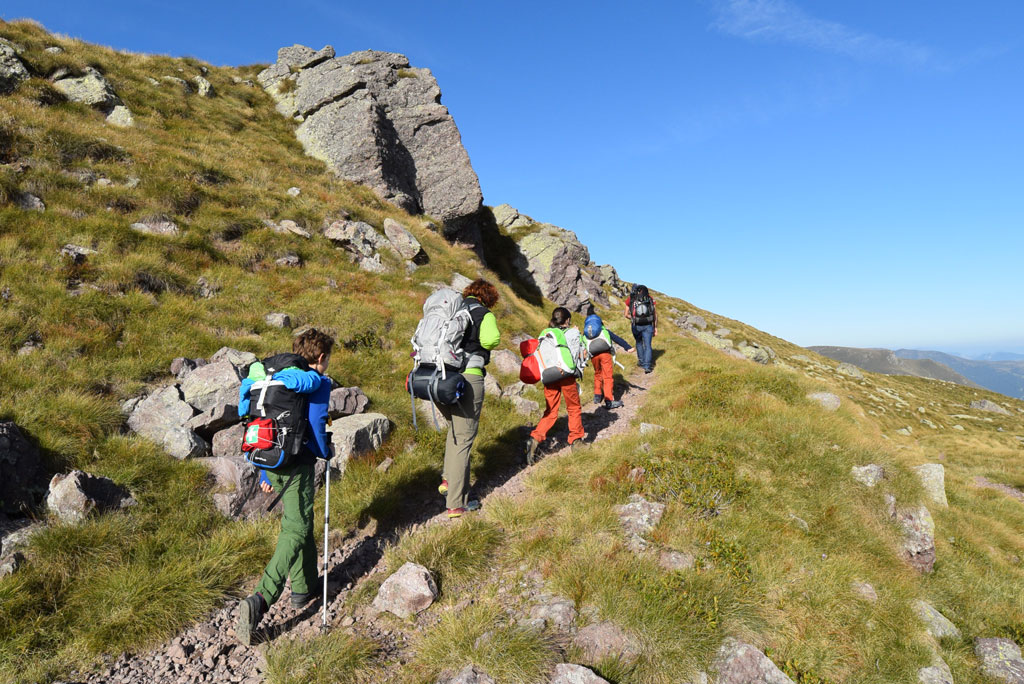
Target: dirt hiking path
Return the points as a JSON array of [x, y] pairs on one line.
[[209, 652]]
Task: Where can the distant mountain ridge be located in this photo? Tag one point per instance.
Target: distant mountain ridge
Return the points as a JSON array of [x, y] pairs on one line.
[[1005, 377], [888, 362]]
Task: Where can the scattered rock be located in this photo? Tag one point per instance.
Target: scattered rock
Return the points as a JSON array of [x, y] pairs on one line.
[[850, 370], [604, 640], [557, 611], [566, 673], [74, 496], [933, 481], [800, 522], [26, 201], [385, 465], [460, 282], [181, 366], [12, 69], [76, 253], [24, 480], [937, 624], [676, 561], [204, 87], [868, 475], [162, 410], [10, 563], [491, 386], [959, 428], [121, 117], [290, 260], [183, 443], [92, 89], [405, 242], [865, 591], [408, 592], [205, 289], [181, 83], [347, 401], [228, 441], [215, 419], [918, 535], [525, 407], [236, 484], [827, 400], [216, 383], [647, 428], [294, 192], [741, 663], [1000, 659], [278, 320], [937, 673], [241, 360], [468, 675], [989, 406], [357, 434], [505, 361], [758, 353], [160, 225], [639, 517]]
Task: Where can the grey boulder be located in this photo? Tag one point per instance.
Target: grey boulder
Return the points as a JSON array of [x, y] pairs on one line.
[[24, 480], [405, 242], [468, 675], [604, 640], [553, 260], [409, 591], [278, 320], [159, 225], [75, 495], [228, 441], [506, 361], [1000, 659], [356, 237], [989, 406], [937, 624], [92, 89], [556, 611], [918, 528], [933, 481], [568, 673], [741, 663], [214, 384], [937, 673], [868, 475], [162, 410], [639, 517], [357, 434], [183, 443], [12, 69], [236, 492]]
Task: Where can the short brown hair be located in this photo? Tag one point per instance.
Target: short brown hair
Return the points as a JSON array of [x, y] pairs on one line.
[[482, 290], [560, 317], [311, 344]]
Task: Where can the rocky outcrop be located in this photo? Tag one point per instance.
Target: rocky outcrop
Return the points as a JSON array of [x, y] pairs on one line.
[[347, 401], [567, 673], [933, 481], [92, 89], [868, 475], [376, 120], [936, 624], [918, 529], [409, 591], [637, 518], [75, 495], [12, 69], [1000, 659], [24, 481], [358, 434], [989, 406]]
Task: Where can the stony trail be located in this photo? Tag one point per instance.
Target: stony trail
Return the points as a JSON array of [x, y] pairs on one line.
[[209, 652]]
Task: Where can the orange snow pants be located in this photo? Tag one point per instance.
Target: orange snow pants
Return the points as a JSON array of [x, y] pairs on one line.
[[553, 395]]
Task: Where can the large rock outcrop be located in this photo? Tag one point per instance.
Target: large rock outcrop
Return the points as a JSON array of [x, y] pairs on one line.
[[554, 261], [376, 120]]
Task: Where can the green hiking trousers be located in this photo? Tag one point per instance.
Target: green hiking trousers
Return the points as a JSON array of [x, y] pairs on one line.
[[295, 555]]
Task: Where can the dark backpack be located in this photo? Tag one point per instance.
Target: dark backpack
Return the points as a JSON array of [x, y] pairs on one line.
[[276, 425], [641, 306]]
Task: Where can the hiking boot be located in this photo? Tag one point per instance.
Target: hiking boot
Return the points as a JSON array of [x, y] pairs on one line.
[[250, 610], [443, 487], [598, 398], [613, 404], [648, 370], [472, 505], [299, 600], [531, 451]]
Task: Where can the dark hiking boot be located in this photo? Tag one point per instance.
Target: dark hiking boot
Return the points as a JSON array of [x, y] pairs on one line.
[[613, 404], [598, 398], [531, 451], [250, 610], [299, 600]]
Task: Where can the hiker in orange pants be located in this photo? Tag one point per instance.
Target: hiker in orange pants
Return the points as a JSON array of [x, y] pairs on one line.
[[553, 395]]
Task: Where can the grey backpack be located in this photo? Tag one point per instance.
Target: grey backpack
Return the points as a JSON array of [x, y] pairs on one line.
[[438, 337]]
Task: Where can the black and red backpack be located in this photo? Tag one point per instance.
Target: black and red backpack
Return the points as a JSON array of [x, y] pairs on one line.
[[275, 426], [641, 306]]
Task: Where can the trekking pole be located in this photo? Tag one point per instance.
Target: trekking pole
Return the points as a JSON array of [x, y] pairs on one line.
[[616, 362], [327, 519]]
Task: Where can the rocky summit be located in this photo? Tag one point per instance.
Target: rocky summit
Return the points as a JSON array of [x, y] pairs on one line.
[[376, 120]]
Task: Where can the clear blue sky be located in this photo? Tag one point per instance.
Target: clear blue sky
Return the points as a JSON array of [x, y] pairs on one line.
[[846, 173]]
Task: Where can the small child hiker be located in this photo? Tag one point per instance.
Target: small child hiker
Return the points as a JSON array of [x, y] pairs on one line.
[[599, 341], [566, 388]]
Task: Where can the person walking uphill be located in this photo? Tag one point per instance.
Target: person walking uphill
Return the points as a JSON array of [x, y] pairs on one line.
[[463, 417], [568, 339], [599, 341], [295, 556], [642, 312]]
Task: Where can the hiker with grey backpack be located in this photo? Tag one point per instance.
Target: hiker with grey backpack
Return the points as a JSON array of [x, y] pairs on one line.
[[451, 349], [643, 314]]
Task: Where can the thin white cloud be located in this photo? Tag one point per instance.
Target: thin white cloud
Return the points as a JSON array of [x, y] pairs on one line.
[[782, 21]]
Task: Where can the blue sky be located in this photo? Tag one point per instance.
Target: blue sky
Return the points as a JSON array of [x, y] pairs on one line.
[[846, 173]]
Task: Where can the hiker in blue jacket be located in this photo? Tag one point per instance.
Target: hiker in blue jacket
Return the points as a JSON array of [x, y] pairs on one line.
[[295, 555]]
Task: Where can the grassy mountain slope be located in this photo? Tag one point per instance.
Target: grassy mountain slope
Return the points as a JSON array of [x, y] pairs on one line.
[[755, 476]]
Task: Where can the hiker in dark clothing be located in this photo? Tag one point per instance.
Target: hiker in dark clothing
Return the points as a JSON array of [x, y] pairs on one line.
[[463, 417], [643, 314], [295, 554]]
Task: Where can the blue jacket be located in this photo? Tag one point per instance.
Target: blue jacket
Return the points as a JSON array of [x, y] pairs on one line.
[[619, 341]]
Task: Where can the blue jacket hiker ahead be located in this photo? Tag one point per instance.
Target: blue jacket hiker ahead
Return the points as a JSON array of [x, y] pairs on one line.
[[295, 554]]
